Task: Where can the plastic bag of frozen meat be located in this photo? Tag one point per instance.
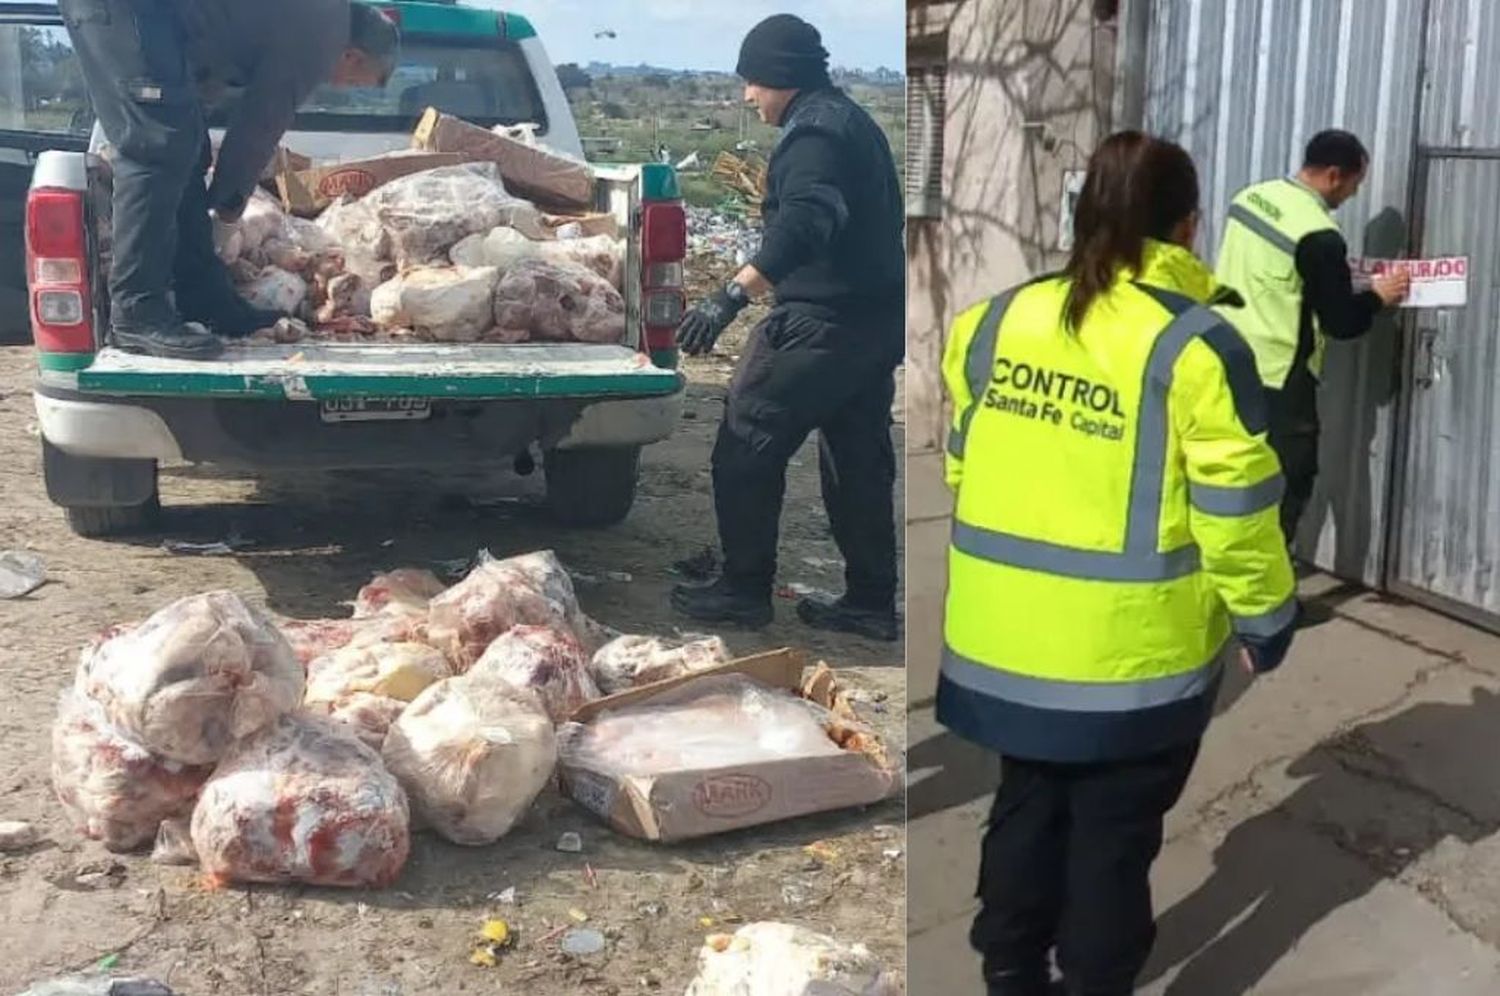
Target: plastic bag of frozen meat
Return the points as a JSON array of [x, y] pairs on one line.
[[426, 214], [549, 661], [629, 661], [406, 589], [113, 789], [559, 301], [302, 801], [474, 752], [199, 674], [531, 589], [366, 687], [781, 959]]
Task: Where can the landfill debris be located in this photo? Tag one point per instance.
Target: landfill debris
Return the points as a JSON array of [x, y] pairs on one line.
[[590, 876], [823, 563], [506, 897], [891, 853], [219, 548], [780, 959], [17, 835], [570, 843], [631, 661], [797, 589], [578, 915], [98, 986], [99, 874], [822, 851], [20, 573], [582, 942], [721, 235], [494, 937]]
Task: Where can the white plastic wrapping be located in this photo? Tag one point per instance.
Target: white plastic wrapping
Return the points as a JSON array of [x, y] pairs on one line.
[[628, 661], [262, 220], [199, 674], [365, 714], [531, 589], [302, 801], [780, 959], [559, 302], [426, 214], [503, 248], [450, 303], [353, 226], [405, 589], [474, 752], [395, 670], [549, 661], [275, 289], [113, 789], [716, 722]]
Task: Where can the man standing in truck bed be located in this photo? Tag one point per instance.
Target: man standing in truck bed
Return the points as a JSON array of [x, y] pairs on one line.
[[824, 358], [144, 62]]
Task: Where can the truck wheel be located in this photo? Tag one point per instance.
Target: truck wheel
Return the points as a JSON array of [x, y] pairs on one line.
[[101, 496], [591, 487], [121, 520]]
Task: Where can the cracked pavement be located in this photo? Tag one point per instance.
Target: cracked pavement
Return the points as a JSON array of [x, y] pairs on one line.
[[1340, 835]]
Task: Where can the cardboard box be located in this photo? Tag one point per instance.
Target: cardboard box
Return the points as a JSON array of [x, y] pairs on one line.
[[537, 174], [307, 192], [588, 224], [696, 802]]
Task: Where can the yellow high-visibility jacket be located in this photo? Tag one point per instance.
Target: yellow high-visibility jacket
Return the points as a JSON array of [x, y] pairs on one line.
[[1116, 517]]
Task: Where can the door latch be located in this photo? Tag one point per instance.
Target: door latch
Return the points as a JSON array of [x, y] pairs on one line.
[[1424, 371]]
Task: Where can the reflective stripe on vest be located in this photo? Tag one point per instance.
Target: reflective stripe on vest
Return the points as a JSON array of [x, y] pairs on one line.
[[1078, 696], [1140, 560], [978, 360], [1263, 228]]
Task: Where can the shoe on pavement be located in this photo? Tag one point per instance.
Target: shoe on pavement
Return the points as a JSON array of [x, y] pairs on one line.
[[722, 602], [180, 341], [841, 617]]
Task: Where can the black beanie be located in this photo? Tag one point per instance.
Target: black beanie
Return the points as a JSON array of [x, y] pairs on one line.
[[783, 52]]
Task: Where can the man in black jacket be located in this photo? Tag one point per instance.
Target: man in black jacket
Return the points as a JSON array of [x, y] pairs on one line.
[[826, 355], [144, 62]]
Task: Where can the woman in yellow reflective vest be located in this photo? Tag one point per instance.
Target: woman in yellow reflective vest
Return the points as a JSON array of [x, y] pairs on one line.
[[1115, 541]]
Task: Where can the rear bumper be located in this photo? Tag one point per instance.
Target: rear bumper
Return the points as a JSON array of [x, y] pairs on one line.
[[263, 434]]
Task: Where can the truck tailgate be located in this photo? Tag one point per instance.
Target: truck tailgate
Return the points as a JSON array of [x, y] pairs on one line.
[[319, 372]]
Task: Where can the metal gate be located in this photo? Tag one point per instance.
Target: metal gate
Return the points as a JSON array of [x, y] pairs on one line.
[[1444, 536]]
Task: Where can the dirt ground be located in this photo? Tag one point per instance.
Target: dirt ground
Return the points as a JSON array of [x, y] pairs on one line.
[[314, 540]]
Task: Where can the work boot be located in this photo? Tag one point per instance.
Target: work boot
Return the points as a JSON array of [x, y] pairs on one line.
[[230, 316], [723, 602], [172, 340], [843, 617], [1015, 982]]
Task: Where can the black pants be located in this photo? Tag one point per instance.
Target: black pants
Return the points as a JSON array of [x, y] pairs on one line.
[[134, 62], [1293, 415], [1065, 864], [799, 372]]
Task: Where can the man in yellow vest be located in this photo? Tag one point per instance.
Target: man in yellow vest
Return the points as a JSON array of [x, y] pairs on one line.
[[1283, 252]]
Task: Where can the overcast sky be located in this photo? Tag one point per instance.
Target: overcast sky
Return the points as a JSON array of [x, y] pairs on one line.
[[706, 34]]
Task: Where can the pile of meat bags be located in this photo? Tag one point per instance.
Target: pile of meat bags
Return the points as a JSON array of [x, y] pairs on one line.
[[442, 255], [307, 750]]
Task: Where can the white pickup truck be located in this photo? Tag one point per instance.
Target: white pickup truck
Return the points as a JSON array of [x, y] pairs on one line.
[[108, 419]]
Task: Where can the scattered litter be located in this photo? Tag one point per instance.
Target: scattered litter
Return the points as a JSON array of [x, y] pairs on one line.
[[799, 590], [653, 910], [108, 962], [822, 851], [17, 835], [100, 874], [801, 962], [705, 922], [578, 915], [822, 563], [20, 573], [885, 831], [891, 853], [174, 843], [388, 543], [620, 577], [505, 897], [455, 568], [590, 876], [570, 843], [494, 937], [582, 942], [221, 548], [98, 986], [721, 234]]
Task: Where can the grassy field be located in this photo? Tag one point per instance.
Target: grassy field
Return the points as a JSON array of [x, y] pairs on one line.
[[626, 119]]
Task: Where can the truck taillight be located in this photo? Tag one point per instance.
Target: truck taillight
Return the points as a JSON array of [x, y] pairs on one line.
[[56, 269], [663, 246]]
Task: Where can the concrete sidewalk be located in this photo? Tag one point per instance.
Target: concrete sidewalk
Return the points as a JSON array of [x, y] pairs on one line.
[[1340, 835]]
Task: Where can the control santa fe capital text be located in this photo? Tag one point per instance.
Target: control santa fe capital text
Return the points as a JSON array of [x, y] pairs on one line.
[[1048, 386]]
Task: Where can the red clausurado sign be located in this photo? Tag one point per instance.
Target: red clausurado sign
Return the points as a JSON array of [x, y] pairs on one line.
[[1438, 282]]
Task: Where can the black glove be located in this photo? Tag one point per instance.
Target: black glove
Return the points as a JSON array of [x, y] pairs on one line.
[[1267, 652], [702, 326], [230, 211]]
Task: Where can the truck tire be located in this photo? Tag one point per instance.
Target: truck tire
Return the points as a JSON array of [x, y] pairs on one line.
[[591, 487], [101, 496], [113, 520]]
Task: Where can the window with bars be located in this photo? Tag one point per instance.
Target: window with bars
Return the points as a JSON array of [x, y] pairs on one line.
[[926, 103]]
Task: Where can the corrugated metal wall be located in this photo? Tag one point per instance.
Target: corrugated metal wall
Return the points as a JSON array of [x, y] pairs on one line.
[[1242, 84]]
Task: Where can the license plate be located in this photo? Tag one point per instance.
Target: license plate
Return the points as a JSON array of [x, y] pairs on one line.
[[375, 409]]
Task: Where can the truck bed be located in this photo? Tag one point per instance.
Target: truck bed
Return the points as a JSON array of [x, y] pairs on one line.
[[319, 372]]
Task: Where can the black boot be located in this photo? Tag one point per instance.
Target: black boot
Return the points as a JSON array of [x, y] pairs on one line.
[[1018, 983], [157, 331], [843, 617], [229, 315], [723, 602]]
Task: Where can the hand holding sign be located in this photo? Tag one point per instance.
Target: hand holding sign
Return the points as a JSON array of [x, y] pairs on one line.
[[1392, 286]]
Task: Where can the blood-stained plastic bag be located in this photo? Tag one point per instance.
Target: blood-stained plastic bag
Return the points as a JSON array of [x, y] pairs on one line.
[[196, 676], [549, 661], [558, 301], [302, 801], [406, 589], [365, 714], [474, 752], [426, 214], [448, 303], [113, 789], [629, 661], [531, 589]]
